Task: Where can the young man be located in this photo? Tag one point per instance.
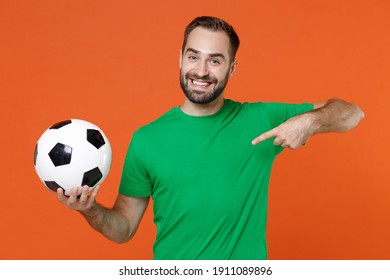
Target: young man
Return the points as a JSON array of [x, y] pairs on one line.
[[207, 163]]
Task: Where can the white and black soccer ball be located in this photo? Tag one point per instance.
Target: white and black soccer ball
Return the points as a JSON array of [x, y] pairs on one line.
[[72, 153]]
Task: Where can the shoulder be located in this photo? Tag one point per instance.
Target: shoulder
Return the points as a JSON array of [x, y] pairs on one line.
[[242, 106], [247, 107], [156, 130], [158, 123]]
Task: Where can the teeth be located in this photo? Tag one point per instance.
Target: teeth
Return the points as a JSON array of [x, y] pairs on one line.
[[203, 84]]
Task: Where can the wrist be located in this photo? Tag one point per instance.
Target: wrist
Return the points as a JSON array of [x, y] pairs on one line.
[[91, 211]]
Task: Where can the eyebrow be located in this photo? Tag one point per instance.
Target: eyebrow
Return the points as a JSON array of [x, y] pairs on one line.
[[210, 55]]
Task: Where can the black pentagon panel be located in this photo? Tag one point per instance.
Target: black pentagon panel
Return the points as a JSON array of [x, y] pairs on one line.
[[91, 177], [35, 154], [60, 154], [60, 124], [53, 186], [95, 138]]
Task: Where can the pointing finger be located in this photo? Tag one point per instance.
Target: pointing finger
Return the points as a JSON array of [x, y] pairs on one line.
[[266, 135]]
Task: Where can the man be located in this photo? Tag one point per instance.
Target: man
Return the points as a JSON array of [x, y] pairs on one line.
[[207, 163]]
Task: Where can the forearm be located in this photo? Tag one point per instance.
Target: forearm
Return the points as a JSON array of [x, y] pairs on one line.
[[335, 116], [110, 223]]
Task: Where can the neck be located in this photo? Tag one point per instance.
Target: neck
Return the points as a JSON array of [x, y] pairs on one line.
[[199, 110]]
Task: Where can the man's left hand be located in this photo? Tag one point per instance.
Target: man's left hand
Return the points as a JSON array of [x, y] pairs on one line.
[[292, 134]]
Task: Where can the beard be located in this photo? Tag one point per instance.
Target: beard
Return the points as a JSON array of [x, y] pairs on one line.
[[202, 97]]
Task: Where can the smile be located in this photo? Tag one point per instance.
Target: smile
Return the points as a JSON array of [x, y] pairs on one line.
[[200, 83]]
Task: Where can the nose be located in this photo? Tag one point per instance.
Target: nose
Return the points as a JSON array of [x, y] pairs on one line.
[[202, 69]]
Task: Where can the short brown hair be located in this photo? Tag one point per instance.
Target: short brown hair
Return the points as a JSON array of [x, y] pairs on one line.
[[214, 24]]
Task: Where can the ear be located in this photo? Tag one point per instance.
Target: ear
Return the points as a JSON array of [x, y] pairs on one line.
[[233, 67]]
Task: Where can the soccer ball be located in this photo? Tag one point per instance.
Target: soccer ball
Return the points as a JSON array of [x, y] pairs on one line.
[[72, 153]]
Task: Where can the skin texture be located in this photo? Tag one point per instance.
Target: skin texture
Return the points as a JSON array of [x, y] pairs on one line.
[[205, 68]]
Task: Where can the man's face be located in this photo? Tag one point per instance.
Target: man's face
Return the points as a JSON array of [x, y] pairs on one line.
[[205, 65]]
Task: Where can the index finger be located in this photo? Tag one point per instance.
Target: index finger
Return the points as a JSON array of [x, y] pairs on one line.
[[266, 135]]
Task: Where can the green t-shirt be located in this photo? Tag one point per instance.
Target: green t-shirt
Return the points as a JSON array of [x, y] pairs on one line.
[[209, 184]]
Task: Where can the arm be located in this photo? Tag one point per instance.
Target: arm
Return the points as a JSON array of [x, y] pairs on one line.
[[118, 224], [334, 115]]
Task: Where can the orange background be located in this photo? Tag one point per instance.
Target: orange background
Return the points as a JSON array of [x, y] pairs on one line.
[[115, 63]]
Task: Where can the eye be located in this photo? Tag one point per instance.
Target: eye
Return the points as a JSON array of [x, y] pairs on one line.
[[192, 58], [215, 62]]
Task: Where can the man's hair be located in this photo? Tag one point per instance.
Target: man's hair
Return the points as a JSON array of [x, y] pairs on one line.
[[214, 24]]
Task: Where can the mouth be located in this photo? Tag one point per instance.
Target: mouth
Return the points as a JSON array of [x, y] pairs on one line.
[[200, 83]]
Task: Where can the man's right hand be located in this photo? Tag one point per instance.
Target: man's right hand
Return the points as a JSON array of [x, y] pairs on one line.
[[82, 203]]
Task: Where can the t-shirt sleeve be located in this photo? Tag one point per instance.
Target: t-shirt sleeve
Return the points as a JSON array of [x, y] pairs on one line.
[[278, 113], [135, 180]]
